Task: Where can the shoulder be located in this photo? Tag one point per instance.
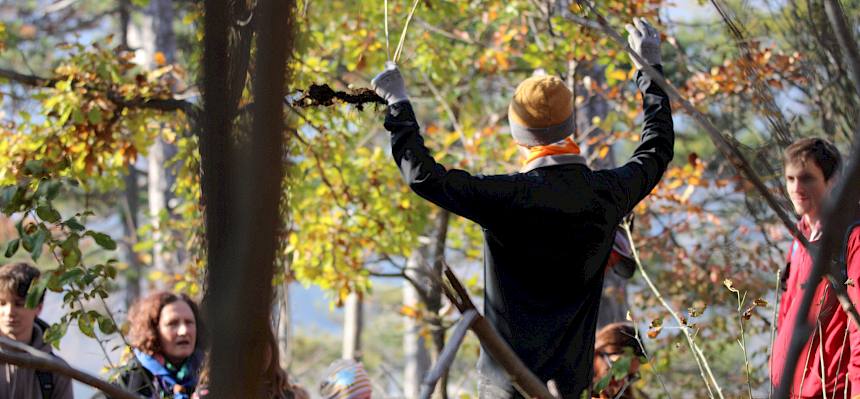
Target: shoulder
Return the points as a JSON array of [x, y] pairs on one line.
[[853, 238]]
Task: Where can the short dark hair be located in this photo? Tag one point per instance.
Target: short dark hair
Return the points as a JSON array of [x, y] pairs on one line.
[[143, 318], [17, 277], [822, 152]]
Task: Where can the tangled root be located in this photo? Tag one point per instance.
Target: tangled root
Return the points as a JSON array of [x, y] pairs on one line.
[[323, 95]]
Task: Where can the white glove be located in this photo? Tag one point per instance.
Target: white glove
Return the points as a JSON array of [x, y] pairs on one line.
[[645, 41], [389, 84]]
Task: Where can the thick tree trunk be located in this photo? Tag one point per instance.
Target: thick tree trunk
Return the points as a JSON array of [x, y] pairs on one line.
[[242, 189], [353, 326]]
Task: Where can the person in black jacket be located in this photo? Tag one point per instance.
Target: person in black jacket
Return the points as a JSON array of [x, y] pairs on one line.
[[549, 229]]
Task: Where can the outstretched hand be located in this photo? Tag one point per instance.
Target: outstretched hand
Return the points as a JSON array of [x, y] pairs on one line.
[[644, 39], [389, 84]]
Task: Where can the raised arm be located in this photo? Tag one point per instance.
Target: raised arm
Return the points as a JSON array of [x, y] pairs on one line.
[[643, 171], [455, 190]]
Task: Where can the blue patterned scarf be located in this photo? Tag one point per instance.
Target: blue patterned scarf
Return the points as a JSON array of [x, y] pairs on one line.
[[178, 381]]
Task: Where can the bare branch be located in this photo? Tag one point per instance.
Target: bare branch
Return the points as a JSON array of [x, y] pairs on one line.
[[448, 353], [163, 104], [520, 375], [723, 144], [33, 358]]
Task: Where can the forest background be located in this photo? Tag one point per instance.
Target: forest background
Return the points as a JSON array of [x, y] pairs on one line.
[[100, 163]]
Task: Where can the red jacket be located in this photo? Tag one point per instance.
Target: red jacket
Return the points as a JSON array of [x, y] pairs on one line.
[[841, 349]]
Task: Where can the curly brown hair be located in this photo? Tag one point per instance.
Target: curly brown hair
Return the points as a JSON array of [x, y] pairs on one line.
[[143, 318]]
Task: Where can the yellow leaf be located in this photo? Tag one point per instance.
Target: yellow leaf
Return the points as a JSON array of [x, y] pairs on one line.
[[687, 193], [603, 152], [617, 75]]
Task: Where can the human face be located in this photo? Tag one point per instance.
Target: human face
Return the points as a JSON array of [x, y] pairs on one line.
[[807, 188], [16, 320], [177, 331]]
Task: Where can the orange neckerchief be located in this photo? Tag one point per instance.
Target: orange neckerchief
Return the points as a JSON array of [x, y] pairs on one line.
[[567, 146]]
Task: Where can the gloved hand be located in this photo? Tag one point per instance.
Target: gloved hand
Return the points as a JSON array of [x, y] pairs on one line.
[[389, 84], [645, 41]]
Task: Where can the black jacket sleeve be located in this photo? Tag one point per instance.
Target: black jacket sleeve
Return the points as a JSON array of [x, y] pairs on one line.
[[637, 177], [472, 197]]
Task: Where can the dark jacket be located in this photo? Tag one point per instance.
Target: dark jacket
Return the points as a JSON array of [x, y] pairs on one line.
[[139, 380], [548, 232], [23, 383]]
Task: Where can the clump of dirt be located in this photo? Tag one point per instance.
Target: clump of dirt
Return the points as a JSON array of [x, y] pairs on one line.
[[323, 95]]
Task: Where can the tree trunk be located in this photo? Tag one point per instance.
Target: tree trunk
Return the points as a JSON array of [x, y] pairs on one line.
[[416, 358], [242, 190], [285, 325], [353, 326], [131, 204], [422, 288], [161, 178]]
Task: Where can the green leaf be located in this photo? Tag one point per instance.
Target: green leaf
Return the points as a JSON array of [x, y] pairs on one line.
[[70, 275], [94, 116], [35, 168], [103, 240], [48, 213], [85, 324], [56, 333], [52, 189], [12, 247], [37, 289], [38, 242], [71, 252], [77, 116], [106, 325], [72, 258], [73, 224]]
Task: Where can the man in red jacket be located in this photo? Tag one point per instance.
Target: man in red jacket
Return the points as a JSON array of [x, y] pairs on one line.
[[830, 361]]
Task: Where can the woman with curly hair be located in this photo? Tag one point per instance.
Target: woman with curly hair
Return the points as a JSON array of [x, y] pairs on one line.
[[165, 337]]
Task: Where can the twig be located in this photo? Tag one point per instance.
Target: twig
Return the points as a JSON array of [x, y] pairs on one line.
[[697, 353], [648, 359], [33, 358], [771, 110], [729, 150], [403, 33], [743, 342], [164, 104], [387, 44], [448, 354], [845, 39], [451, 117]]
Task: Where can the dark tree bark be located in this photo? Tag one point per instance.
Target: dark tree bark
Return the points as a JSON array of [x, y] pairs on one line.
[[242, 188]]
